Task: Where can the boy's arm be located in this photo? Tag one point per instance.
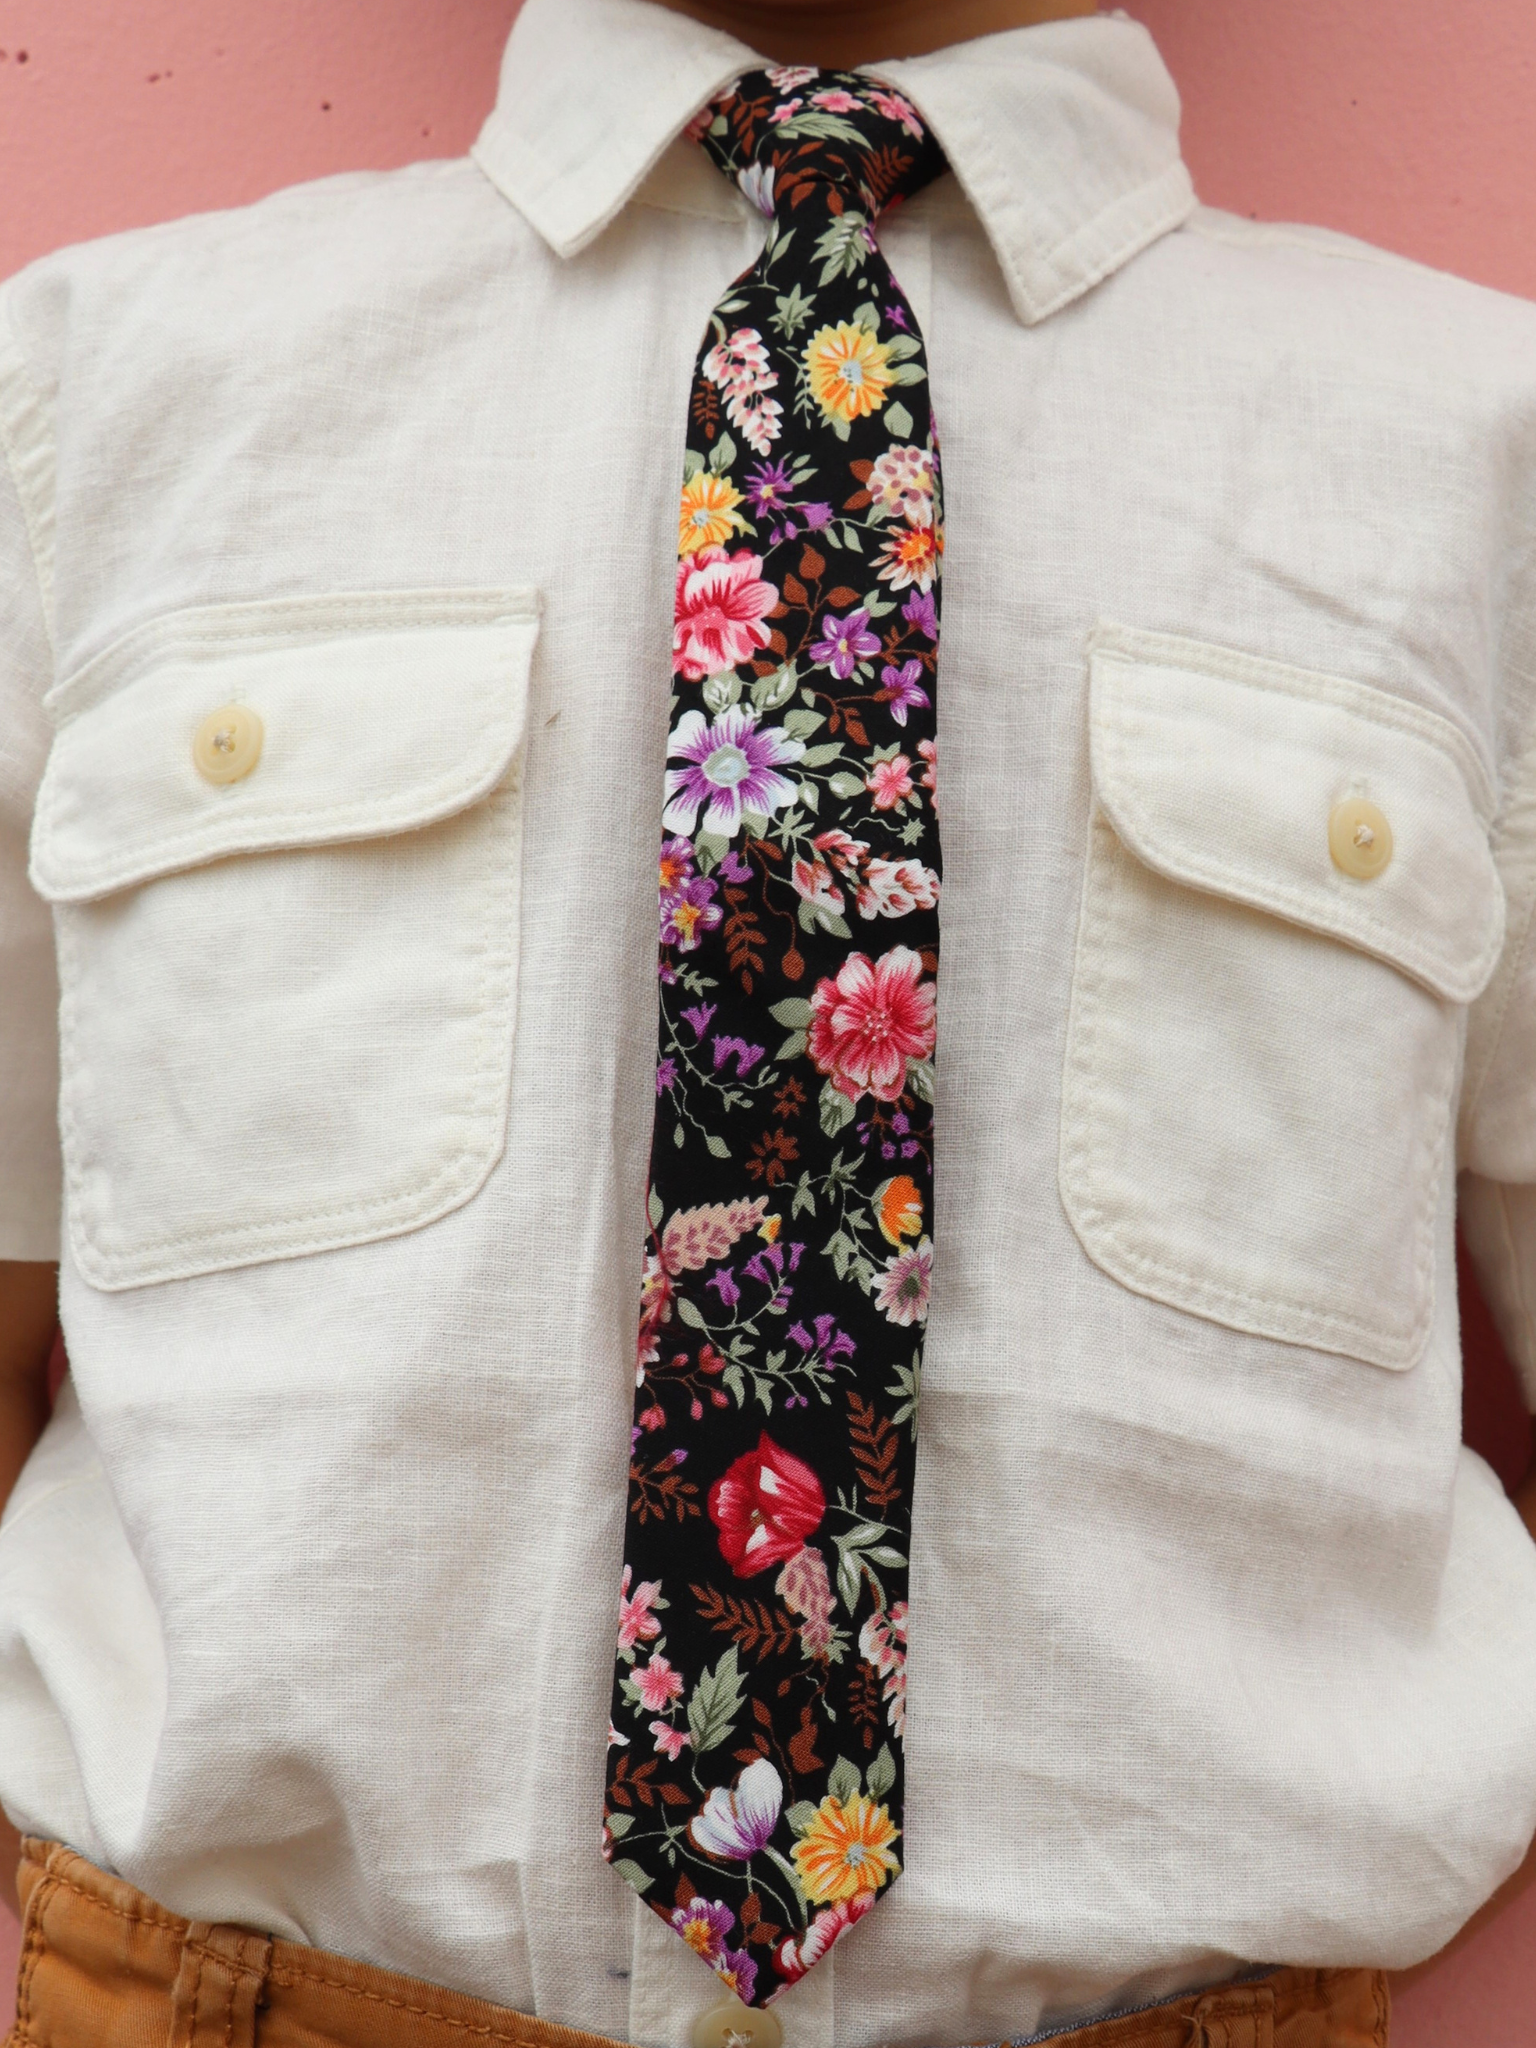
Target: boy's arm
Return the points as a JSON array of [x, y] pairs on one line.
[[28, 1314]]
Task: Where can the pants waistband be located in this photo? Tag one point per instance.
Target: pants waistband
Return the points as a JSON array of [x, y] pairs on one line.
[[102, 1963]]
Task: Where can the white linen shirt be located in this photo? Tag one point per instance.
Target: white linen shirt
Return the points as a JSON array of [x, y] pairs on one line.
[[1223, 1649]]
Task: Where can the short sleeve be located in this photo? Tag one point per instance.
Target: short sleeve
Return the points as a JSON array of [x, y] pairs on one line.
[[29, 1142]]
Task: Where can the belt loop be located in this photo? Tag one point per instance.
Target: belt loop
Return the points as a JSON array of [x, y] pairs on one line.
[[1242, 2018], [219, 1986]]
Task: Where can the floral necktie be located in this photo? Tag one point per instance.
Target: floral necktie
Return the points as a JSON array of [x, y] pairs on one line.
[[754, 1790]]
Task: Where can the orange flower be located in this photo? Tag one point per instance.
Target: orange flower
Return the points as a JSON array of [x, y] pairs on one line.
[[898, 1209], [911, 555], [707, 516], [846, 1850], [849, 371]]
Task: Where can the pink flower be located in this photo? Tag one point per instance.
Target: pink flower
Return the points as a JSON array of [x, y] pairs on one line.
[[902, 1292], [888, 782], [786, 77], [705, 1925], [765, 1505], [867, 1024], [897, 107], [835, 101], [737, 1823], [718, 611], [813, 880], [669, 1740], [658, 1685], [895, 887], [794, 1957], [929, 749], [883, 1643], [785, 111], [637, 1624]]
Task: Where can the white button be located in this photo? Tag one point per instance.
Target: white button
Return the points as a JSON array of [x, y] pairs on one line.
[[1359, 839], [227, 744], [734, 2025]]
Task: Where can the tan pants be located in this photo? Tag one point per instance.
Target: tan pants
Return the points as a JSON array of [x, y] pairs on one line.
[[104, 1967]]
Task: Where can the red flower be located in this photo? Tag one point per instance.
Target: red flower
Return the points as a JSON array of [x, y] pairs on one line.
[[718, 615], [868, 1023], [765, 1506]]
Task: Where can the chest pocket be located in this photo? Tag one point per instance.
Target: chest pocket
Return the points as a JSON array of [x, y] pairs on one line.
[[282, 841], [1289, 900]]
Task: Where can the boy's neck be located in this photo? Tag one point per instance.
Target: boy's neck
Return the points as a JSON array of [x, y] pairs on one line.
[[838, 34]]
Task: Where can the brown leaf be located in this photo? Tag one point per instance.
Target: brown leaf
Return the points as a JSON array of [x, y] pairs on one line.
[[760, 1714], [751, 1910], [857, 502], [777, 642], [802, 1747], [863, 469], [812, 564], [793, 589], [841, 596]]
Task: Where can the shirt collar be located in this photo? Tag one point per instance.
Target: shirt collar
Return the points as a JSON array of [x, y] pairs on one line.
[[1064, 137]]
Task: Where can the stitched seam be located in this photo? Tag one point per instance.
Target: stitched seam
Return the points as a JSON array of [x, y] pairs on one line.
[[1458, 980], [484, 2031], [489, 1004], [208, 629], [151, 1915], [32, 1952], [23, 414], [1104, 919], [1232, 664]]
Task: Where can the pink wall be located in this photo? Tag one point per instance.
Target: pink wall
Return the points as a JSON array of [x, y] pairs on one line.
[[1409, 122]]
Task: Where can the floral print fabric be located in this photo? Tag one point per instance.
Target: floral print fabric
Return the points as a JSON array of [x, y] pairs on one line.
[[754, 1790]]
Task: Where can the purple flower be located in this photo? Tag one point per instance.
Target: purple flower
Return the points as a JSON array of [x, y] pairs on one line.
[[896, 316], [666, 1076], [698, 1015], [901, 1123], [766, 1267], [769, 488], [901, 689], [736, 1824], [747, 1056], [845, 643], [688, 913], [816, 516], [723, 1280], [734, 868], [705, 1925], [730, 768], [910, 1149], [921, 611], [738, 1970]]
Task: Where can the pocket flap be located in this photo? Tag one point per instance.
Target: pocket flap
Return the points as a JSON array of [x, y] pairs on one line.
[[1221, 771], [378, 714]]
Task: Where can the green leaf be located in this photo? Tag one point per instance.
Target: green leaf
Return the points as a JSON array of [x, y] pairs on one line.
[[842, 247], [677, 1136], [756, 824], [846, 785], [920, 1079], [818, 757], [711, 847], [794, 1010], [851, 539], [715, 1701], [810, 796], [883, 1553], [908, 373], [829, 921], [632, 1874], [848, 1580], [800, 1816], [806, 1201], [792, 312], [690, 1313], [793, 1047], [840, 428], [839, 1248], [900, 347], [789, 1871], [693, 462], [653, 1209], [722, 455], [881, 1775], [769, 692], [721, 692], [826, 127], [843, 1781], [836, 1110], [718, 1146], [868, 317], [898, 420], [801, 724], [735, 1385], [619, 1825]]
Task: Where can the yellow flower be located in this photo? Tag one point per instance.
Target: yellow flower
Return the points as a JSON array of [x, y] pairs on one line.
[[898, 1209], [708, 516], [849, 371], [846, 1850]]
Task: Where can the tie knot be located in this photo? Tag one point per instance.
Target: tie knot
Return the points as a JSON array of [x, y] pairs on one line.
[[792, 136]]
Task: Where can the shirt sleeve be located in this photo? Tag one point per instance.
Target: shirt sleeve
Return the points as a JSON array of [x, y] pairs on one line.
[[29, 1140]]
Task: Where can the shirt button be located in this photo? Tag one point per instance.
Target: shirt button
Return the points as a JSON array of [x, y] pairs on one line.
[[1360, 839], [228, 743], [734, 2025]]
